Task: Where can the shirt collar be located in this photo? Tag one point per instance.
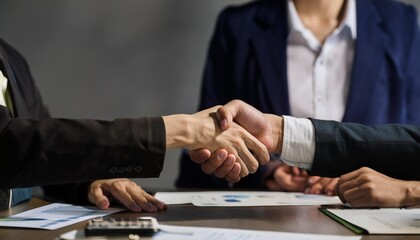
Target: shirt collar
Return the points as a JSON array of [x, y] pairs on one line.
[[349, 21]]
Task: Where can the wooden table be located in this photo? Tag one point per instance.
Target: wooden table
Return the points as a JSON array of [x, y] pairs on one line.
[[300, 219]]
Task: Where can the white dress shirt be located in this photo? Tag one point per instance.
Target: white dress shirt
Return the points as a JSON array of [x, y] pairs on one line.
[[298, 147], [319, 74], [3, 88], [318, 79]]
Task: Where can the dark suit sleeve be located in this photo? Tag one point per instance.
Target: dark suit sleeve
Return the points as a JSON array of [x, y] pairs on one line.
[[343, 147], [55, 151]]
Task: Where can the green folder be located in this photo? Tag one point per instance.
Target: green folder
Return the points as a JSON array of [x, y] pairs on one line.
[[356, 229]]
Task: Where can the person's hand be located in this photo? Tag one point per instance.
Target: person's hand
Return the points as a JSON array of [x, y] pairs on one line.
[[124, 191], [293, 179], [368, 188], [252, 149], [321, 185], [267, 128], [222, 164], [201, 130], [287, 178]]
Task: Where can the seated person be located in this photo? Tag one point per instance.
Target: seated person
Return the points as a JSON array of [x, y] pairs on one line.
[[347, 61]]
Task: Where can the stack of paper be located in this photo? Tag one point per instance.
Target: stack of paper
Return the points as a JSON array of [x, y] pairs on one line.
[[54, 216], [378, 221], [245, 198]]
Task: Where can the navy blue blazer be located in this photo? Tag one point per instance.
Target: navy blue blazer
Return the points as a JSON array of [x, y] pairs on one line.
[[247, 60]]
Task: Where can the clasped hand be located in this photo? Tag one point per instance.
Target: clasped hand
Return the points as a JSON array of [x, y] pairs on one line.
[[266, 128], [245, 149]]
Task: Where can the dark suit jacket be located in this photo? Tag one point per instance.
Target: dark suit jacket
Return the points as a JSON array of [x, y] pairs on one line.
[[39, 150], [247, 60], [343, 147]]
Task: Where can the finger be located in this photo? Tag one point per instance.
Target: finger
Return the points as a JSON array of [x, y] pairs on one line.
[[350, 184], [319, 187], [226, 114], [350, 187], [244, 171], [244, 168], [243, 155], [353, 195], [244, 114], [304, 173], [295, 171], [141, 201], [288, 182], [97, 197], [214, 162], [233, 176], [156, 202], [258, 149], [200, 155], [346, 182], [225, 168], [149, 198], [146, 201], [160, 204], [348, 176], [314, 189], [312, 180], [248, 159], [119, 192], [340, 194], [329, 188], [248, 144]]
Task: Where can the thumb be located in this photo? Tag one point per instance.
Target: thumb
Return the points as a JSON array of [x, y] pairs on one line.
[[97, 197], [228, 112], [244, 114]]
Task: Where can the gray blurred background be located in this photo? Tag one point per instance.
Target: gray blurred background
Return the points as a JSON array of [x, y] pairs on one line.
[[108, 59]]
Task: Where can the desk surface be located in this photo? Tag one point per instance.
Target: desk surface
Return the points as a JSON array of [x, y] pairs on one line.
[[301, 219]]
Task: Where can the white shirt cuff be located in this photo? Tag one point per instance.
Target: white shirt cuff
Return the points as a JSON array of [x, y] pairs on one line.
[[298, 142]]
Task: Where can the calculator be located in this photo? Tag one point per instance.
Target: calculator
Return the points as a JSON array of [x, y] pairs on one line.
[[142, 226]]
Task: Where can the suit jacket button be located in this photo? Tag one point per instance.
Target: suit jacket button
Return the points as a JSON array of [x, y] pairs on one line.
[[138, 169], [129, 169], [121, 170], [113, 170]]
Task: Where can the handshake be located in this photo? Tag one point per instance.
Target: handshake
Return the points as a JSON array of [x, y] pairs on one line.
[[230, 141]]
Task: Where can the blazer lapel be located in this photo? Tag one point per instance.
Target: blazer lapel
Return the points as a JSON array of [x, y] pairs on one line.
[[20, 107], [269, 43], [370, 53]]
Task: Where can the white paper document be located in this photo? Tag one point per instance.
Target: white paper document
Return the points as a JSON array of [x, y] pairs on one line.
[[198, 233], [382, 221], [245, 198], [173, 198], [54, 216]]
